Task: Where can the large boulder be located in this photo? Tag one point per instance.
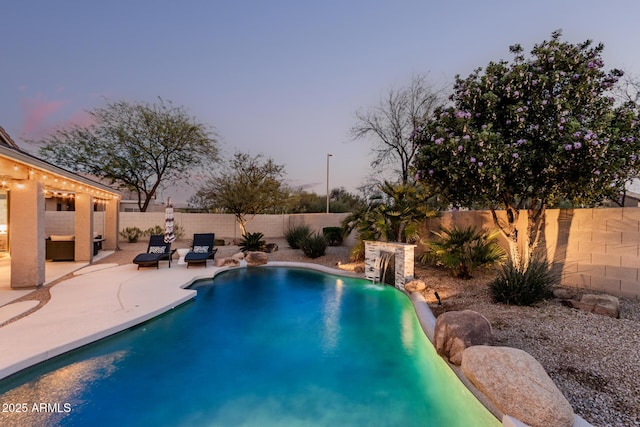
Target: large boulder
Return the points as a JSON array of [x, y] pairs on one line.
[[517, 385], [457, 330], [255, 258], [226, 262], [415, 285]]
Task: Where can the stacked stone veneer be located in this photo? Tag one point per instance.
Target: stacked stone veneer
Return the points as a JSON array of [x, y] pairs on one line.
[[404, 261], [596, 249]]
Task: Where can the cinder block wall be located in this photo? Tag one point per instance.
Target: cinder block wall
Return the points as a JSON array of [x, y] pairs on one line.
[[225, 226], [63, 223], [595, 249]]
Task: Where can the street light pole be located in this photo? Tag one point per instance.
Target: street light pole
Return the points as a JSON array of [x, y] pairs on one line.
[[328, 155]]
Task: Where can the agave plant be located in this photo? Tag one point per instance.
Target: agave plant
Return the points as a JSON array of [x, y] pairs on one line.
[[252, 242]]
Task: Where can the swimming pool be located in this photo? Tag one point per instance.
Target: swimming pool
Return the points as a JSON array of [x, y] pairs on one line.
[[266, 346]]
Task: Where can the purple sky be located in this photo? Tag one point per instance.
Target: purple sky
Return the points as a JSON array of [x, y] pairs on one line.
[[283, 78]]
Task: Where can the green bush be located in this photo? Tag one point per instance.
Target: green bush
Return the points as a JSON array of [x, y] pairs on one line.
[[461, 250], [333, 235], [520, 285], [178, 230], [252, 242], [296, 234], [132, 234], [155, 230], [314, 246]]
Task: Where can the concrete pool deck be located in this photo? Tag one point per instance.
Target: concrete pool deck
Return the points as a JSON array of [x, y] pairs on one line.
[[91, 306]]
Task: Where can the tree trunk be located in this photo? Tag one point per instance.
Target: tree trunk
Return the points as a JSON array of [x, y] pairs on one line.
[[535, 225], [509, 231], [241, 224]]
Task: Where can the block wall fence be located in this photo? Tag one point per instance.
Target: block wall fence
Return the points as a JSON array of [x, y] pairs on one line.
[[595, 249], [225, 225]]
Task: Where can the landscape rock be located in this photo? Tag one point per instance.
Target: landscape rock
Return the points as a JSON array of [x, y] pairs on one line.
[[226, 262], [415, 286], [238, 255], [255, 258], [563, 293], [270, 247], [605, 305], [359, 269], [458, 330], [517, 384]]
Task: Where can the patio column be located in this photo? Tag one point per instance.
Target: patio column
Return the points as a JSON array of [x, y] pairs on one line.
[[111, 225], [84, 227], [26, 224]]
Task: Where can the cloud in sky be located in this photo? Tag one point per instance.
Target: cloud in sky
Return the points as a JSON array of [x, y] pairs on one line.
[[37, 113]]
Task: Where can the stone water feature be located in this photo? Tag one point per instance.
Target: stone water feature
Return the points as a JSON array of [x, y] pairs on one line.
[[377, 256]]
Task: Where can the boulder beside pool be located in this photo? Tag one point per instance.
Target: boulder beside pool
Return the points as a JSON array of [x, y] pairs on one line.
[[255, 258], [517, 384], [457, 330]]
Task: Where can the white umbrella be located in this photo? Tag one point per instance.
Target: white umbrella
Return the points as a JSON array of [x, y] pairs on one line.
[[169, 237]]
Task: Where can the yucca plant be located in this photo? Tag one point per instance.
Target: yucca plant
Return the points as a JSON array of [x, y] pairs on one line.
[[294, 235], [314, 246], [463, 249], [524, 285], [252, 242]]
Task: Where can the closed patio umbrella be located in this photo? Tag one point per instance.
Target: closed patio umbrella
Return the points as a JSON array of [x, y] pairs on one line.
[[169, 237]]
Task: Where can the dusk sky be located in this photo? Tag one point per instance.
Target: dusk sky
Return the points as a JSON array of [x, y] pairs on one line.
[[282, 78]]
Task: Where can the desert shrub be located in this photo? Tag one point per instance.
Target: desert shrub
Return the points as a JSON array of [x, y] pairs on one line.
[[463, 249], [333, 235], [314, 246], [294, 235], [155, 230], [132, 234], [252, 242], [524, 285], [178, 230]]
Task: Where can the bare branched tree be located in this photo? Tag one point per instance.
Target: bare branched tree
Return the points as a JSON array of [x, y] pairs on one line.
[[628, 90], [391, 125]]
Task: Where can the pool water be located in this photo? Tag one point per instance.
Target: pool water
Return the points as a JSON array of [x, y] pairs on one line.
[[257, 347]]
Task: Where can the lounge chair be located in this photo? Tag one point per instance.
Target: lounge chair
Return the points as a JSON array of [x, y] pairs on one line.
[[202, 249], [157, 251]]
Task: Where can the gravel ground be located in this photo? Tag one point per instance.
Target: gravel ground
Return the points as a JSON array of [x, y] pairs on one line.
[[594, 360]]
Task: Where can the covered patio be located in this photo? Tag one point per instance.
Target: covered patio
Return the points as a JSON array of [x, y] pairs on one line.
[[40, 201]]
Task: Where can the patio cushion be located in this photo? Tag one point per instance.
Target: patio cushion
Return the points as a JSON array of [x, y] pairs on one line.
[[200, 249], [196, 256], [156, 249]]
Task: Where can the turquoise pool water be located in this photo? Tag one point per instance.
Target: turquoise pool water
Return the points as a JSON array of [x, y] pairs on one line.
[[257, 347]]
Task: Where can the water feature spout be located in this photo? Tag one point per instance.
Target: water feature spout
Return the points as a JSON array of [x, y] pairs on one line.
[[382, 263]]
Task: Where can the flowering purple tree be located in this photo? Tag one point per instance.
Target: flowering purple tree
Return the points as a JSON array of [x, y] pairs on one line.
[[529, 132]]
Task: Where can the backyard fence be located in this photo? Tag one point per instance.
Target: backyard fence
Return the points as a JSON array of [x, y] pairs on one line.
[[596, 249]]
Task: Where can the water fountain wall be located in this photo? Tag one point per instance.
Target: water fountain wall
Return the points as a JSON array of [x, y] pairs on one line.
[[404, 258]]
